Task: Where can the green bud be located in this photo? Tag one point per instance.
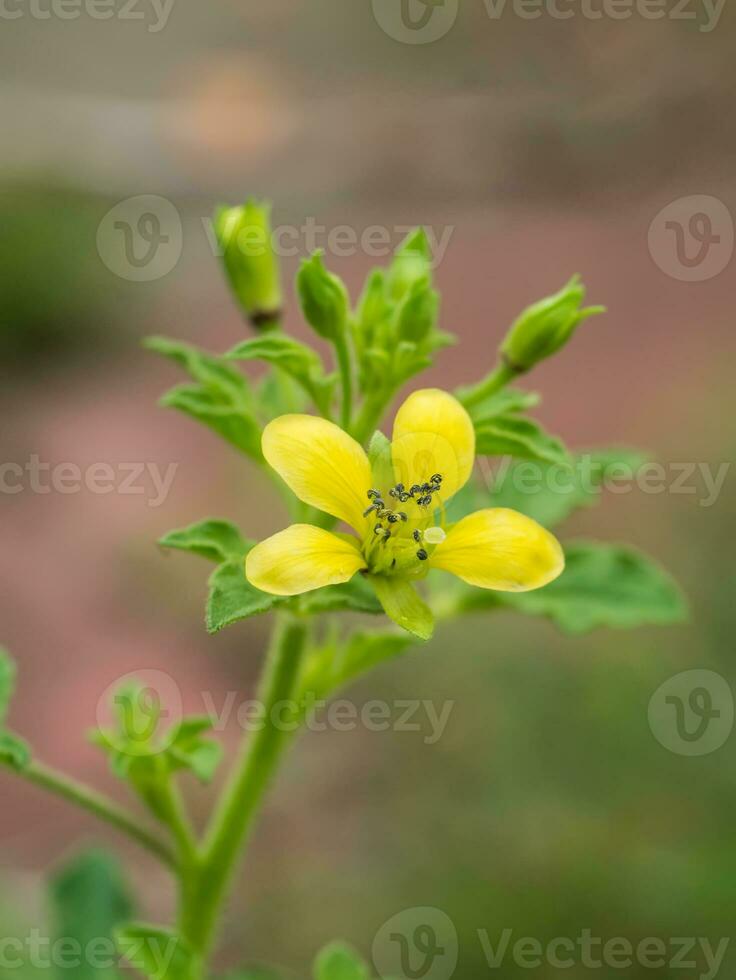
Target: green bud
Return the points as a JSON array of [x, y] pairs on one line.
[[323, 298], [411, 263], [544, 327], [244, 236], [417, 315], [372, 303]]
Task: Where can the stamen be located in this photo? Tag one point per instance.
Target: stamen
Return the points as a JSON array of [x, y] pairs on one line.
[[417, 536], [422, 555]]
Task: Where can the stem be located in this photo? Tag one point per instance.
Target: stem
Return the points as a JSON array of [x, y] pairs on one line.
[[346, 378], [234, 816], [496, 380], [370, 415], [99, 805]]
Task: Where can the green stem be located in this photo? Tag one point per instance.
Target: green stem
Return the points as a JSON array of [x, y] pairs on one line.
[[346, 377], [496, 380], [370, 415], [234, 816], [177, 819], [97, 804]]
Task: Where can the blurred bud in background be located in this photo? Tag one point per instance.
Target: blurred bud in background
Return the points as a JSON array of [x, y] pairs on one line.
[[323, 299], [244, 237], [544, 327]]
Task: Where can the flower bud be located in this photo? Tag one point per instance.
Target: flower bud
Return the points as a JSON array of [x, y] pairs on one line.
[[323, 298], [544, 327], [411, 264], [417, 315], [244, 236]]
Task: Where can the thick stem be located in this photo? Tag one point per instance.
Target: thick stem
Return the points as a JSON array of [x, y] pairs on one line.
[[99, 805], [239, 804], [496, 380]]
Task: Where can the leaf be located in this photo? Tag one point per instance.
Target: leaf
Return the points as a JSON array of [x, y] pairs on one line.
[[402, 603], [511, 435], [332, 665], [232, 598], [211, 371], [7, 682], [189, 750], [158, 953], [90, 899], [228, 417], [549, 493], [251, 973], [504, 402], [338, 961], [302, 363], [214, 539], [14, 751], [603, 585]]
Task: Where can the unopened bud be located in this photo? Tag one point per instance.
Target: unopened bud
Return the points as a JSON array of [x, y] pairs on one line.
[[244, 236], [323, 298]]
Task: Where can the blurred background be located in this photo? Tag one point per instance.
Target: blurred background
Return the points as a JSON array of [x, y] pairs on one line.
[[539, 148]]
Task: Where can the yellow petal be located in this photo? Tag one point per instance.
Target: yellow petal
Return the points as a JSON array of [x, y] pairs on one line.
[[300, 559], [433, 434], [324, 466], [500, 549]]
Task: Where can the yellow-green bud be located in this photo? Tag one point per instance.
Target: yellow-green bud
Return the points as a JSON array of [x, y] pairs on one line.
[[323, 298], [544, 327], [411, 263], [244, 236]]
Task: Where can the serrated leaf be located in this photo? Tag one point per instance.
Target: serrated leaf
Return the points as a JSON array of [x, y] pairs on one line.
[[232, 598], [231, 420], [549, 493], [512, 435], [338, 961], [300, 362], [14, 751], [604, 585], [217, 540], [90, 900], [158, 953]]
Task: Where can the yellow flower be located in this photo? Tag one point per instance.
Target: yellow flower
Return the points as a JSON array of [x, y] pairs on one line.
[[396, 509]]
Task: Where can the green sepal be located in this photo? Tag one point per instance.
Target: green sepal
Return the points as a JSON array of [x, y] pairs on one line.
[[323, 298], [338, 961], [297, 360], [402, 603], [514, 435], [602, 585], [90, 900], [211, 538], [382, 467], [159, 954], [232, 597]]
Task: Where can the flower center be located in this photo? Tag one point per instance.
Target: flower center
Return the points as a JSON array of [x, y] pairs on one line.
[[401, 535]]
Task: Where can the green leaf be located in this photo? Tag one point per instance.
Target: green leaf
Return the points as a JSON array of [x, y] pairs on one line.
[[189, 750], [214, 539], [208, 369], [7, 682], [338, 961], [90, 899], [402, 603], [511, 435], [14, 751], [302, 363], [549, 493], [252, 973], [604, 585], [158, 953], [505, 402], [232, 598], [228, 417]]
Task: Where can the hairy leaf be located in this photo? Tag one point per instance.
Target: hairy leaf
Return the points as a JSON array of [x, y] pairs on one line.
[[215, 539]]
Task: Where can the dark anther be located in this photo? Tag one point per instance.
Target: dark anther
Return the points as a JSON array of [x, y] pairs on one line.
[[425, 501], [437, 478], [400, 487], [403, 497], [414, 489], [393, 518], [386, 535], [384, 513], [378, 529], [393, 492], [370, 510], [422, 555], [403, 516], [417, 536], [374, 494]]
